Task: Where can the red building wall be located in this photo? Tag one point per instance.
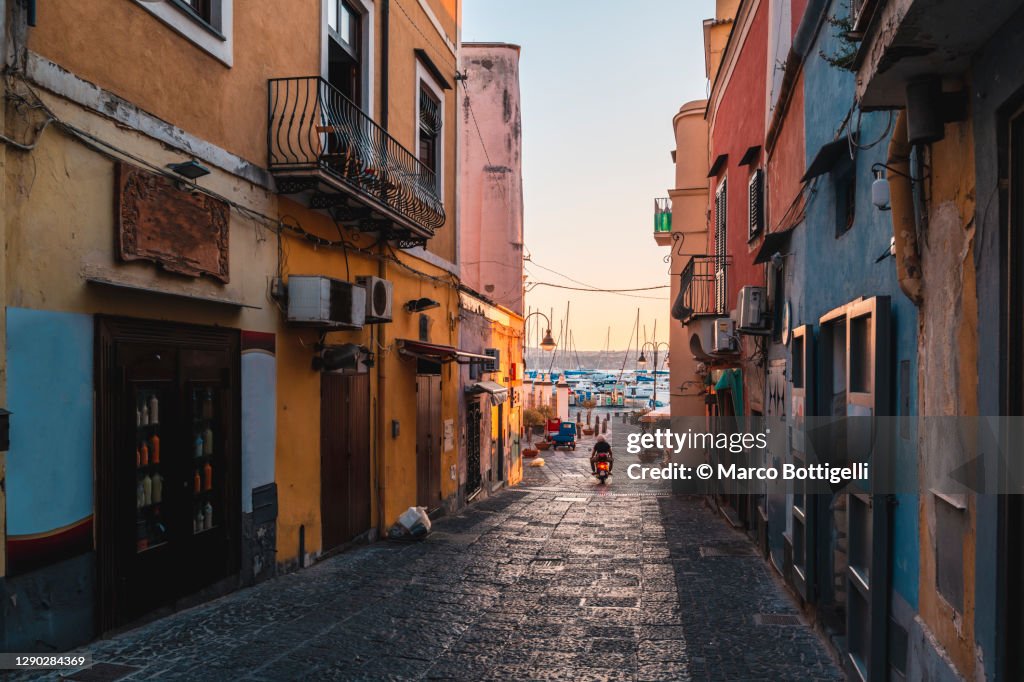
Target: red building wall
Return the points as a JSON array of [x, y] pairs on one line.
[[736, 124]]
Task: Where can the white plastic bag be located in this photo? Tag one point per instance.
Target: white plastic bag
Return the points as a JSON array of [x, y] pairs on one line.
[[413, 515]]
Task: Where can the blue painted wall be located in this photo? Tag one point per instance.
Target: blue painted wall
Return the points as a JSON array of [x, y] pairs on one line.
[[50, 392], [829, 271]]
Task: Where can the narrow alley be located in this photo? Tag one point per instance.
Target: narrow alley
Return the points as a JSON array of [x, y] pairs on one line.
[[557, 577]]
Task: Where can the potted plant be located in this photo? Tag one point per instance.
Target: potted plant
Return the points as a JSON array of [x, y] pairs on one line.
[[589, 404]]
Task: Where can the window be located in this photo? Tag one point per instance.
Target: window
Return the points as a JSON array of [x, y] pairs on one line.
[[344, 50], [431, 122], [845, 183], [201, 8], [755, 195]]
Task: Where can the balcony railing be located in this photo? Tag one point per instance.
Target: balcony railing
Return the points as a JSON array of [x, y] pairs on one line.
[[662, 215], [314, 130], [703, 284]]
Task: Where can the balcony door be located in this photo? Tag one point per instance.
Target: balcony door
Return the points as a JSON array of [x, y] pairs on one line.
[[344, 49]]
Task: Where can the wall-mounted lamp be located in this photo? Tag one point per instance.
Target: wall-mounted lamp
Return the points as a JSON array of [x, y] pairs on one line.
[[418, 305], [193, 170], [880, 189]]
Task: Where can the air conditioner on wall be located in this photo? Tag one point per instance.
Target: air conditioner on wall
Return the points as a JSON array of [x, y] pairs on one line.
[[752, 307], [724, 340], [378, 298], [325, 302]]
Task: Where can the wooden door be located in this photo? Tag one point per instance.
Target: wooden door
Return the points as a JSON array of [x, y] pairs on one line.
[[428, 440], [501, 442], [473, 475], [868, 513], [802, 510], [344, 457]]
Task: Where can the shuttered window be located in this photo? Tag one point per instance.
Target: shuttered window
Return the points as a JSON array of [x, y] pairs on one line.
[[720, 246], [755, 194]]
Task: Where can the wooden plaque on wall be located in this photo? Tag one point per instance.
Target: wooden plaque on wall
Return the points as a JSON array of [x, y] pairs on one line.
[[182, 232]]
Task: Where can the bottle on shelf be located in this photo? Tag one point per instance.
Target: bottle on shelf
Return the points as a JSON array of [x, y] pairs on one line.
[[147, 491], [196, 483], [138, 457], [154, 450], [208, 516], [207, 411], [154, 410], [145, 414], [208, 441], [158, 488], [197, 522], [199, 446], [140, 495], [207, 476], [138, 417], [144, 454]]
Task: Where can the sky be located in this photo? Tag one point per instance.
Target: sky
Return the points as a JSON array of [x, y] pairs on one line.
[[600, 83]]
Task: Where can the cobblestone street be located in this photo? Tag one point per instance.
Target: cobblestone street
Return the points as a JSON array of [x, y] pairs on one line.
[[557, 579]]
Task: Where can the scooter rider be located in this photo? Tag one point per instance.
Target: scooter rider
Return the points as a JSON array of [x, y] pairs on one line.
[[601, 450]]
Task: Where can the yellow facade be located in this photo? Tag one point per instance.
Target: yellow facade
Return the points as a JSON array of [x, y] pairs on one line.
[[163, 99]]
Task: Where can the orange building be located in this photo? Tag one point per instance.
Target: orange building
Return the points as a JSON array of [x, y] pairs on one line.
[[231, 274]]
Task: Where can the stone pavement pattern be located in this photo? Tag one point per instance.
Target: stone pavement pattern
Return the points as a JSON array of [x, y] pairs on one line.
[[558, 579]]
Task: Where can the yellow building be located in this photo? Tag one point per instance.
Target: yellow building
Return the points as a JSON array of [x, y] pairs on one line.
[[187, 219]]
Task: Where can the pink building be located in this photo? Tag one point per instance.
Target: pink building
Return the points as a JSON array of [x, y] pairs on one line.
[[490, 174]]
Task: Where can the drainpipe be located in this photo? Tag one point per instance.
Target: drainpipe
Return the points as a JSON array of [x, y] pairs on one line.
[[379, 406], [385, 30], [904, 228]]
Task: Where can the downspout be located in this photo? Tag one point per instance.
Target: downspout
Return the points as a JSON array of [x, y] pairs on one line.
[[904, 227], [379, 408], [385, 50]]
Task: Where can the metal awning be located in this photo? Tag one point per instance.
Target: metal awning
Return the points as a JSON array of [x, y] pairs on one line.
[[438, 353], [774, 242], [827, 157], [717, 165], [497, 392]]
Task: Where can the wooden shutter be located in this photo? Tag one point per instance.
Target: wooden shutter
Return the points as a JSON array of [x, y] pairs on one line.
[[721, 284], [755, 200]]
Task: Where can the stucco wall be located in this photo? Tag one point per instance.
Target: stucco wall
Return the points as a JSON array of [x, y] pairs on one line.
[[689, 221], [491, 208]]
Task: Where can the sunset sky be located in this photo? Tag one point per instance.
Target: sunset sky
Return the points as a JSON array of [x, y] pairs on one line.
[[600, 83]]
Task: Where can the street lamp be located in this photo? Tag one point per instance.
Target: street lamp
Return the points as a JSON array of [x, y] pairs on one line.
[[548, 342], [642, 362]]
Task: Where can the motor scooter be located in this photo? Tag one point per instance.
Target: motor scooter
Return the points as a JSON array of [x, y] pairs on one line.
[[604, 470]]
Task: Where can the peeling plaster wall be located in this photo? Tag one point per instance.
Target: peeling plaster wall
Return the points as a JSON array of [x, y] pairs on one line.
[[948, 382]]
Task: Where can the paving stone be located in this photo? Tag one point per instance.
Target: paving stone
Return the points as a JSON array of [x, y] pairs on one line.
[[609, 585]]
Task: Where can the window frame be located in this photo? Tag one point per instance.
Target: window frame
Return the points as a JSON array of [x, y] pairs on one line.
[[425, 80], [367, 48], [756, 181], [214, 36]]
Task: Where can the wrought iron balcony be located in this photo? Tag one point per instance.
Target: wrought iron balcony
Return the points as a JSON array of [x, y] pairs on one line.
[[703, 287], [320, 144]]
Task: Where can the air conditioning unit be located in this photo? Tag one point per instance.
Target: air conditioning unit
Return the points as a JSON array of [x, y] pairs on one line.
[[378, 298], [753, 308], [724, 340], [325, 302]]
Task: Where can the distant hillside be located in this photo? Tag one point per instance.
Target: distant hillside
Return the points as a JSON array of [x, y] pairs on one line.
[[613, 359]]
